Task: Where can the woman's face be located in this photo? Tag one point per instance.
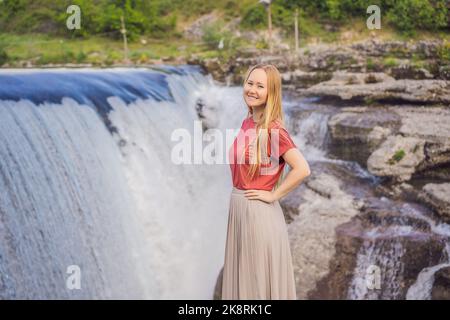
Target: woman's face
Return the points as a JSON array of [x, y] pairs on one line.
[[255, 89]]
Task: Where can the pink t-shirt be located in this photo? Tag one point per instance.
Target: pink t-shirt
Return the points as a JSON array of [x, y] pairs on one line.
[[272, 165]]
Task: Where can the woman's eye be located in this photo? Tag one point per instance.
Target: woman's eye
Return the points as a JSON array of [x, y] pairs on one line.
[[261, 87]]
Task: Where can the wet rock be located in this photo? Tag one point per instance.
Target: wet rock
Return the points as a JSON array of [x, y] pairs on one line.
[[377, 136], [304, 79], [335, 284], [402, 191], [291, 203], [360, 133], [217, 68], [431, 125], [318, 61], [312, 233], [441, 286], [398, 157], [408, 71], [207, 113], [349, 86], [437, 196], [397, 255], [352, 139], [357, 131], [330, 58], [444, 72]]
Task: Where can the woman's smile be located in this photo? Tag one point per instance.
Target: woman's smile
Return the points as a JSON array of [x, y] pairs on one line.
[[255, 88]]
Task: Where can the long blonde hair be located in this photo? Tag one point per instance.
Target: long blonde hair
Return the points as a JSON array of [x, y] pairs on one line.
[[272, 112]]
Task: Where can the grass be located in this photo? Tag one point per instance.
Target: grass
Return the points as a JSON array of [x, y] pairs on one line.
[[370, 64], [444, 52], [390, 62], [397, 157], [355, 29], [43, 49], [417, 61]]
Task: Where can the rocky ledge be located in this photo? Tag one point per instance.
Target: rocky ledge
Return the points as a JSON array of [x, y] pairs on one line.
[[437, 196], [337, 236], [402, 144], [316, 63], [394, 141], [381, 87]]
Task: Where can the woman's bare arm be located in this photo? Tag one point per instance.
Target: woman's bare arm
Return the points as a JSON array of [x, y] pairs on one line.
[[300, 170]]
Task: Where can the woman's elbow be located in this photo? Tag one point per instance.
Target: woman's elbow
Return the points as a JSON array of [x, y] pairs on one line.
[[306, 173], [302, 173], [306, 170]]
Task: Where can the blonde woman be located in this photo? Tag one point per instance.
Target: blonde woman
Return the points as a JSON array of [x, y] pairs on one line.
[[258, 261]]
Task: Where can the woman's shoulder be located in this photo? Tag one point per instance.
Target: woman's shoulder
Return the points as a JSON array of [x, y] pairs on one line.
[[247, 120], [277, 124]]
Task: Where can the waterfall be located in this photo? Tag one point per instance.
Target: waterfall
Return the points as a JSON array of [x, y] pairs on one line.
[[421, 289], [311, 136], [86, 179], [377, 258], [382, 247]]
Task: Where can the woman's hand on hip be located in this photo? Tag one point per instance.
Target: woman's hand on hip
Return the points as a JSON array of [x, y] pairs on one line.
[[263, 195]]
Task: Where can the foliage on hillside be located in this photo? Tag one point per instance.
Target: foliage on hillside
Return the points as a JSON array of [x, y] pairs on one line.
[[159, 18]]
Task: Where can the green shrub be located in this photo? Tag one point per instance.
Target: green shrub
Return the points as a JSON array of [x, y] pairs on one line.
[[113, 57], [444, 53], [158, 18], [370, 65], [213, 34], [262, 44], [408, 15], [3, 54], [254, 17], [64, 56], [390, 62], [397, 157], [81, 57]]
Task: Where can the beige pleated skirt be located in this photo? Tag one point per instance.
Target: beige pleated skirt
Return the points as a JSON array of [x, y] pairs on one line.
[[258, 261]]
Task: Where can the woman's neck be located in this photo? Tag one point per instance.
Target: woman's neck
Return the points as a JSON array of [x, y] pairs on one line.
[[257, 113]]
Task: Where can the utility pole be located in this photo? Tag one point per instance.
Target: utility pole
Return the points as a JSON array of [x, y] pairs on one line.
[[296, 30], [125, 43], [266, 4], [270, 28]]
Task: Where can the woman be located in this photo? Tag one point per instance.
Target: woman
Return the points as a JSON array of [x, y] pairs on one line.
[[258, 262]]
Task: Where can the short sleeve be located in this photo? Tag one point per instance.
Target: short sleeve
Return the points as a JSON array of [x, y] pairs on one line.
[[285, 141]]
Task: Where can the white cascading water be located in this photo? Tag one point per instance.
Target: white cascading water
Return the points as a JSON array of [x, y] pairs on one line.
[[63, 201], [94, 185], [384, 250], [376, 250], [421, 289], [73, 192], [377, 257], [312, 134]]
